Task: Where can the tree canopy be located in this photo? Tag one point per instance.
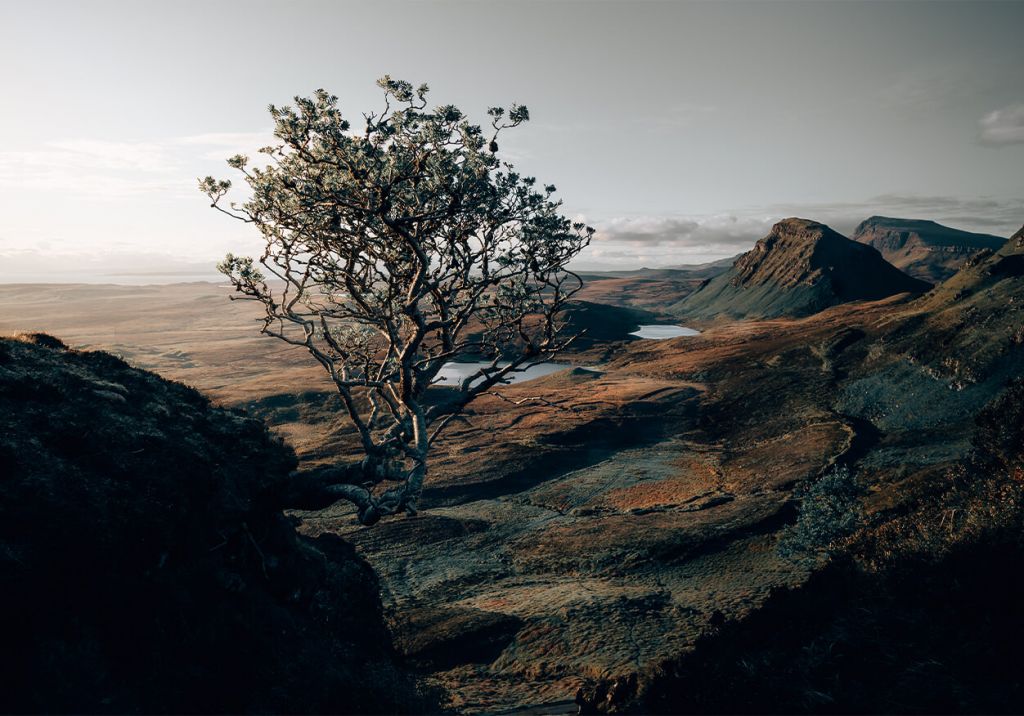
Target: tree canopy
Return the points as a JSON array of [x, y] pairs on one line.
[[390, 251]]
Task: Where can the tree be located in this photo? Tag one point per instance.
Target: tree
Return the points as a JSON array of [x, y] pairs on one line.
[[389, 252]]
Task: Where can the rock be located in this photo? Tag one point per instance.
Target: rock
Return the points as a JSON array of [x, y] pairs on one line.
[[440, 637], [606, 696], [924, 249], [145, 565]]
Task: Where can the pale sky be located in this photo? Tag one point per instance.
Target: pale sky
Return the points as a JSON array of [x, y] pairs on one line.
[[681, 130]]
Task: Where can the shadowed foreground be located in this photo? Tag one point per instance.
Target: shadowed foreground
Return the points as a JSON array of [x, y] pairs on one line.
[[145, 564]]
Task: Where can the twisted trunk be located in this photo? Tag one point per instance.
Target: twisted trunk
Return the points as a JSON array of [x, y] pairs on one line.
[[319, 488]]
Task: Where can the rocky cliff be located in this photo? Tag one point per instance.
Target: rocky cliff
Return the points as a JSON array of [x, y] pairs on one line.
[[924, 249], [921, 615]]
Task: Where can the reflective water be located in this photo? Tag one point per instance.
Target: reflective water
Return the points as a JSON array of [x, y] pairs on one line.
[[661, 332], [452, 374]]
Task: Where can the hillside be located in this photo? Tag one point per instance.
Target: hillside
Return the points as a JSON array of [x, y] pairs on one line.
[[600, 322], [146, 567], [919, 610], [642, 511], [923, 249], [799, 268], [624, 534], [972, 325]]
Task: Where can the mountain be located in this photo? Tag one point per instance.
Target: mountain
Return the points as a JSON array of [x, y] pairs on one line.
[[799, 268], [925, 250], [931, 390], [710, 267], [971, 327]]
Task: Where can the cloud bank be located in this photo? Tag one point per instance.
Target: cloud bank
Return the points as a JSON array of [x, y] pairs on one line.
[[653, 241], [154, 176], [1003, 126], [114, 170], [629, 242]]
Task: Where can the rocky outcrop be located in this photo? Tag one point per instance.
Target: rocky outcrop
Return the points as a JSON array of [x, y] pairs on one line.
[[970, 329], [801, 267], [924, 249], [145, 565], [922, 616]]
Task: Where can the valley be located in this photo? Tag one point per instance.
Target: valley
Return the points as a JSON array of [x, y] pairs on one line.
[[638, 507]]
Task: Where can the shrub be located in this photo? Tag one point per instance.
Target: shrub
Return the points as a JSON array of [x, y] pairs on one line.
[[829, 512]]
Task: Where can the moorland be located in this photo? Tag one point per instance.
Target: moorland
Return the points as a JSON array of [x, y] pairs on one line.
[[825, 482]]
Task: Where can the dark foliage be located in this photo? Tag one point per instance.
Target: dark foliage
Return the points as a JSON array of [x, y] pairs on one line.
[[829, 511], [1000, 438]]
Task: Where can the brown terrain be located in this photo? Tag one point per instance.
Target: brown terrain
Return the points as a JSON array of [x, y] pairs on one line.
[[611, 530], [650, 289]]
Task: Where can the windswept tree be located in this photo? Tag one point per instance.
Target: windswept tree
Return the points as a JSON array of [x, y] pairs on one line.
[[391, 251]]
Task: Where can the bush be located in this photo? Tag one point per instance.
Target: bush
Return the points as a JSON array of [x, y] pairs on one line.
[[829, 512]]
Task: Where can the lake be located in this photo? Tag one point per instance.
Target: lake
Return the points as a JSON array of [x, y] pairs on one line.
[[452, 374], [661, 332]]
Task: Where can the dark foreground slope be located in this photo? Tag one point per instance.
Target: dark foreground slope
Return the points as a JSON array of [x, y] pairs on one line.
[[924, 249], [145, 567], [801, 267]]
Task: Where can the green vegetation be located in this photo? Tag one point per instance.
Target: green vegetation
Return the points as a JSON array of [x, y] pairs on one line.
[[829, 511]]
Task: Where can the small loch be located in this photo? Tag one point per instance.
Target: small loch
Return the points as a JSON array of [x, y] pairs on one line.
[[452, 374], [656, 332]]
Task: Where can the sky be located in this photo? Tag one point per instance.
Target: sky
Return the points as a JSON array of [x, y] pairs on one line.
[[680, 130]]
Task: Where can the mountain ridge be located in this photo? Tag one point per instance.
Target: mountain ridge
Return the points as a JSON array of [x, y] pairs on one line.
[[801, 267], [923, 248]]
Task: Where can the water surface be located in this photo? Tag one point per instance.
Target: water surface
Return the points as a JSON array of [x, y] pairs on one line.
[[452, 374], [657, 332]]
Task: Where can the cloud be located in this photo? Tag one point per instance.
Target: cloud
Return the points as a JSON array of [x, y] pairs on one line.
[[677, 231], [646, 230], [101, 169], [221, 145], [146, 173], [634, 241], [102, 154], [1003, 126], [126, 267]]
